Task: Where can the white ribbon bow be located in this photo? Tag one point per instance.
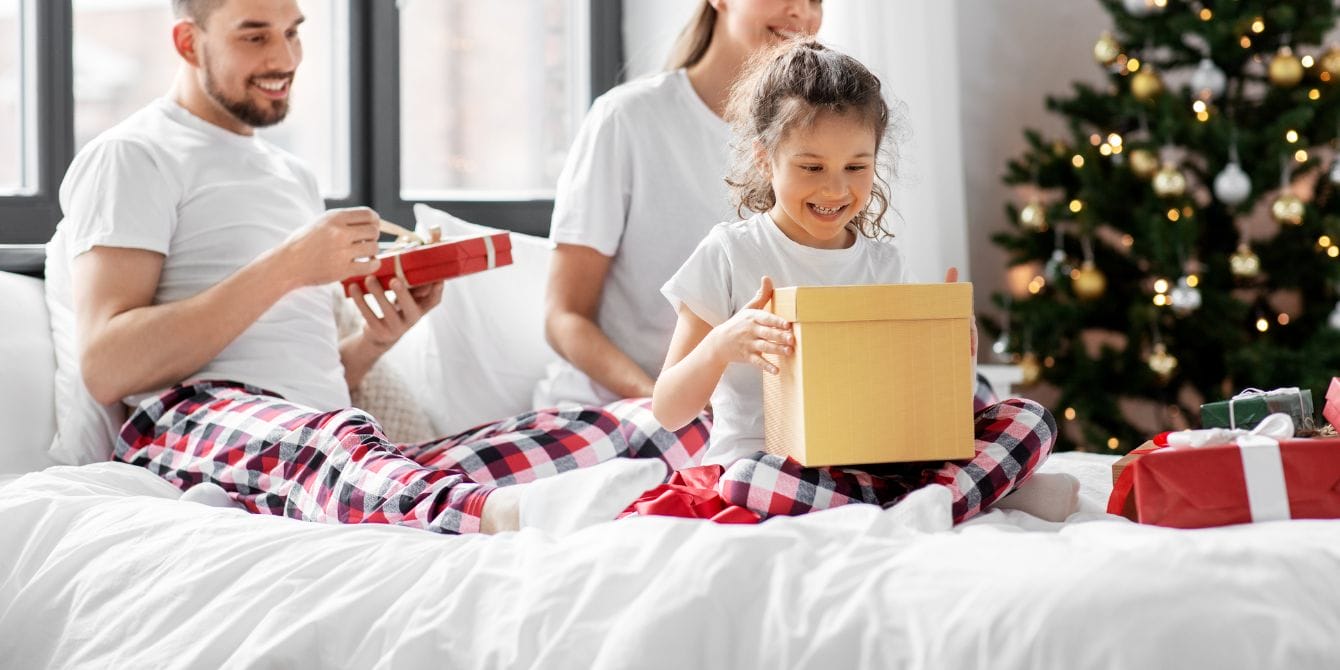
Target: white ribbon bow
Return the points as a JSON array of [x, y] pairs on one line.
[[1262, 465]]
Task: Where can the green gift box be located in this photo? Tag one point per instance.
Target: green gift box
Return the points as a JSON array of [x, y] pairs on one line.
[[1249, 408]]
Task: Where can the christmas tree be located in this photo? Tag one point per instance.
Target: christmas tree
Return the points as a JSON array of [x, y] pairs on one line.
[[1183, 238]]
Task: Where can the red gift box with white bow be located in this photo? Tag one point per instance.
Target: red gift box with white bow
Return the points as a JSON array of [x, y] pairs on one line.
[[1251, 478], [428, 263]]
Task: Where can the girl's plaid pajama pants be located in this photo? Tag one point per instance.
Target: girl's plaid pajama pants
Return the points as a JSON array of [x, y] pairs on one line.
[[279, 458], [1013, 437]]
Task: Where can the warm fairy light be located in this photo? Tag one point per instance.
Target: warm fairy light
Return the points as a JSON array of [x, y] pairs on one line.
[[1283, 319], [1246, 42], [1049, 362], [1074, 274], [1116, 149], [1333, 251], [1035, 287], [1187, 212], [1076, 206], [1193, 281], [1077, 161], [1095, 139], [1174, 215], [1324, 241], [1160, 285], [1206, 14], [1314, 94], [1114, 139], [1105, 150], [1307, 61], [1259, 25], [1113, 443], [1161, 300], [1070, 414], [1300, 155], [1133, 64], [1202, 116], [1160, 3], [1262, 325], [1198, 106], [1291, 136], [1324, 76], [1127, 241]]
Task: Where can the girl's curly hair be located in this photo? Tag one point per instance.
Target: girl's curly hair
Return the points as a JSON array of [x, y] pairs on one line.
[[786, 88]]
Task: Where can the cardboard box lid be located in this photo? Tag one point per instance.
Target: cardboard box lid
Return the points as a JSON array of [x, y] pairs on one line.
[[875, 302]]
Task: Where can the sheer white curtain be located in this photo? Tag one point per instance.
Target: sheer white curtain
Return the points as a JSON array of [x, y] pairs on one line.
[[911, 46]]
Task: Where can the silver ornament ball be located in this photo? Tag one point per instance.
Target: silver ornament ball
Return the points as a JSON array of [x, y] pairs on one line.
[[1232, 187], [1185, 297], [1208, 82]]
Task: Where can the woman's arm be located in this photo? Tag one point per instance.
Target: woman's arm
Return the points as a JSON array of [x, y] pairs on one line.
[[699, 355], [576, 280]]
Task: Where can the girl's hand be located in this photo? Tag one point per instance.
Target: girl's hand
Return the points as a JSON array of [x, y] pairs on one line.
[[951, 276], [752, 332]]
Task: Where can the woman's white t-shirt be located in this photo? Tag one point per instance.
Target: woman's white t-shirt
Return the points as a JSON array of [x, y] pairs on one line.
[[723, 275], [644, 182]]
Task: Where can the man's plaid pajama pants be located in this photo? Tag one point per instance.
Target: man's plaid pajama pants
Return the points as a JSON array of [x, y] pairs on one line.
[[276, 457], [1013, 437]]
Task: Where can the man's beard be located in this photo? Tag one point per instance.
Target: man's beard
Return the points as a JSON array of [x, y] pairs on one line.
[[246, 110]]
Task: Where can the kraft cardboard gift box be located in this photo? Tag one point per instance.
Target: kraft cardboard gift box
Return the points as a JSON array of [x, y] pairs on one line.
[[879, 374]]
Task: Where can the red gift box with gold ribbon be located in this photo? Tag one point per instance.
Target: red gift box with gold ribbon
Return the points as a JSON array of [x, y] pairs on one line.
[[1251, 479], [428, 263]]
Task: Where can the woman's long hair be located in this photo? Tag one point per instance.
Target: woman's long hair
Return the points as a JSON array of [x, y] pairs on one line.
[[693, 41]]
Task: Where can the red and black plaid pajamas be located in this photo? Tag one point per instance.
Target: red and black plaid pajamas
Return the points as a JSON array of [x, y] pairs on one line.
[[1013, 437], [279, 458]]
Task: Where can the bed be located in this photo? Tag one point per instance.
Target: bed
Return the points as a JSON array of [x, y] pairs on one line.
[[102, 566]]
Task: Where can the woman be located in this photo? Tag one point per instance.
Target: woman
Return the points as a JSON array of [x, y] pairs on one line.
[[643, 184]]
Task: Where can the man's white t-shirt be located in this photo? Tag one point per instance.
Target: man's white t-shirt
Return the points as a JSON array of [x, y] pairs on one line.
[[723, 275], [644, 182], [210, 201]]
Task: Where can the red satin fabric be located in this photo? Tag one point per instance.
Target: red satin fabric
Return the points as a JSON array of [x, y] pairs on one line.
[[691, 494]]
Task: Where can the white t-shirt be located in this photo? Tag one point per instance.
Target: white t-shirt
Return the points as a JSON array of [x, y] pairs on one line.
[[210, 201], [644, 182], [723, 275]]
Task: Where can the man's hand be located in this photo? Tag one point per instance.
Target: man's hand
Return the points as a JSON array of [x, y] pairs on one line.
[[399, 314], [342, 243]]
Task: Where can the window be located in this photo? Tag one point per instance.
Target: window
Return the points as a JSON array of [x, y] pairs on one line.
[[18, 146], [491, 95], [123, 59]]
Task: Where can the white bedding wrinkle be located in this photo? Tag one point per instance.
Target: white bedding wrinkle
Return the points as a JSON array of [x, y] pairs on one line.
[[102, 565]]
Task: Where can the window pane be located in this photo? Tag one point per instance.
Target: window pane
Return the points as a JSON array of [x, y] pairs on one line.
[[18, 103], [123, 59], [491, 95]]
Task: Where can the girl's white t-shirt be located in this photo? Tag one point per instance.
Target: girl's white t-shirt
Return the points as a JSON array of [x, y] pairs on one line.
[[723, 275], [644, 182]]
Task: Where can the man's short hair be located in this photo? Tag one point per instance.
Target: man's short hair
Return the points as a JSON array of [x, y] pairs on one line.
[[196, 10]]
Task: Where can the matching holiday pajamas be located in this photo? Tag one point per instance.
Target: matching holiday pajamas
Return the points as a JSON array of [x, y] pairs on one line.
[[1013, 437], [276, 457]]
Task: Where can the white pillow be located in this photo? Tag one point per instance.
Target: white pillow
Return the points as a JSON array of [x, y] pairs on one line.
[[85, 429], [27, 376], [488, 343]]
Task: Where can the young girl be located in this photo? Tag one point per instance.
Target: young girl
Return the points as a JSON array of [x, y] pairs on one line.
[[809, 125]]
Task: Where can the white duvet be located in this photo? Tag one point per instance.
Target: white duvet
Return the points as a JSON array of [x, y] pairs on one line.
[[101, 566]]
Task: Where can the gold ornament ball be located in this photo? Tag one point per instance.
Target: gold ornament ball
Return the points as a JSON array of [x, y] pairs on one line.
[[1287, 208], [1030, 368], [1033, 216], [1144, 163], [1089, 282], [1162, 363], [1244, 263], [1169, 182], [1285, 69], [1145, 85], [1106, 50], [1330, 62]]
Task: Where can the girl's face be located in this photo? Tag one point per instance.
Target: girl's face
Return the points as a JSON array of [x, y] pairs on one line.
[[754, 24], [822, 176]]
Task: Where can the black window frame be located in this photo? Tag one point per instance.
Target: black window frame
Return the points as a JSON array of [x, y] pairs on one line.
[[27, 221]]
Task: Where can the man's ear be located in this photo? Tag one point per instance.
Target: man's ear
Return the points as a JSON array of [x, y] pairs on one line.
[[717, 4], [184, 34]]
